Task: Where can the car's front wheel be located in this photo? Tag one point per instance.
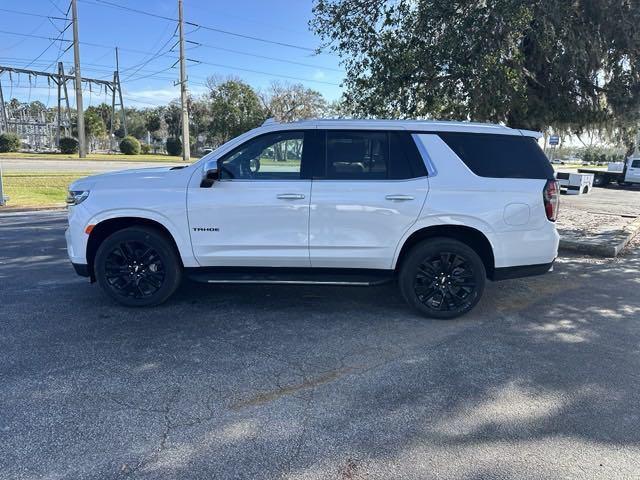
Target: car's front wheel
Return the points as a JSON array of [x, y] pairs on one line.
[[138, 267], [442, 278]]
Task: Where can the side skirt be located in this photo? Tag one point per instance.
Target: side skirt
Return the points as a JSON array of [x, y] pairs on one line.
[[295, 276]]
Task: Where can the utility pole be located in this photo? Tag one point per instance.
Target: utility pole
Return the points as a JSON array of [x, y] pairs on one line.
[[82, 146], [67, 118], [5, 121], [122, 112], [2, 197], [186, 153], [117, 90]]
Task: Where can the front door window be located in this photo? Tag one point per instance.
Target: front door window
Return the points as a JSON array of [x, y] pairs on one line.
[[274, 156]]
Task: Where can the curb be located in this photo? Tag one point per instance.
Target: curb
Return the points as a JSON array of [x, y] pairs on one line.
[[31, 209], [602, 248]]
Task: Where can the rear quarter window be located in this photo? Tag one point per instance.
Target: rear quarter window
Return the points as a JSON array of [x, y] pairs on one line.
[[500, 156]]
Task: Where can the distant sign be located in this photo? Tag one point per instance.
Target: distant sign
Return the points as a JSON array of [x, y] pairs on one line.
[[554, 140]]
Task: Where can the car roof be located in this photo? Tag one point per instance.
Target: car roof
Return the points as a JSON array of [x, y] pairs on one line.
[[412, 125]]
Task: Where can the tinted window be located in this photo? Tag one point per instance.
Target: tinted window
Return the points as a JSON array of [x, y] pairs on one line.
[[635, 164], [274, 156], [500, 156], [406, 161], [353, 155]]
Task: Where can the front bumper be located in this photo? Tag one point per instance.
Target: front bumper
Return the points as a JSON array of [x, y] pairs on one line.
[[75, 234], [81, 269]]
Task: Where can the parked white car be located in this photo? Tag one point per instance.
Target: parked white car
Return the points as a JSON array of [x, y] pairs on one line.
[[438, 206]]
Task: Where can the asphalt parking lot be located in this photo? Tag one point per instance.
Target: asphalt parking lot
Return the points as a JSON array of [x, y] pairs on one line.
[[541, 381]]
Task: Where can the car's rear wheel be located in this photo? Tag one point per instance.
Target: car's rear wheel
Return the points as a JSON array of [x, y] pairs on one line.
[[442, 278], [138, 267]]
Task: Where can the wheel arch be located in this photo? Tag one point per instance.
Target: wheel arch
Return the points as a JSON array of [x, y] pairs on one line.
[[470, 236], [106, 227]]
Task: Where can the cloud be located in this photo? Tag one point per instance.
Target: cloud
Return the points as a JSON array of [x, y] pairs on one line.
[[319, 75], [157, 96]]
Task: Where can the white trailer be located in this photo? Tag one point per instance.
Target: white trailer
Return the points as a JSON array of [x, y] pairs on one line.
[[575, 183]]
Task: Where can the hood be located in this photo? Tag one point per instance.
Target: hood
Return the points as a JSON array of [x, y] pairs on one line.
[[123, 177]]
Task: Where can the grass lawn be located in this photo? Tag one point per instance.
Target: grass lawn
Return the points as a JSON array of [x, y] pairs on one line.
[[113, 157], [38, 189], [577, 165]]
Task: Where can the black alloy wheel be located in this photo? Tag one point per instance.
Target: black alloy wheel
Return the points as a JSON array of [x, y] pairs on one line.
[[138, 266], [442, 278], [134, 269], [445, 282]]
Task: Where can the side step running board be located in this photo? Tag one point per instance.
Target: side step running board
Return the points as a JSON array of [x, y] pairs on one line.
[[290, 276]]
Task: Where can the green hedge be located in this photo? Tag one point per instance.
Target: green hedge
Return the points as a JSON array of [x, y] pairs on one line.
[[68, 145], [9, 142], [130, 145], [174, 146]]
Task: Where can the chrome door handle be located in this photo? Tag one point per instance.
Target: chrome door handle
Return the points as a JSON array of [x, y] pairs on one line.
[[290, 196], [399, 198]]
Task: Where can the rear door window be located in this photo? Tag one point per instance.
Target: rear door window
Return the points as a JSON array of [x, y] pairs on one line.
[[357, 155], [371, 155], [500, 156]]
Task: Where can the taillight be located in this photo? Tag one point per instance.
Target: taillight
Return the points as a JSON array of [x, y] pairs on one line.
[[551, 197]]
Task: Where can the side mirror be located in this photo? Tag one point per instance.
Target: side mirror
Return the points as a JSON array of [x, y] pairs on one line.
[[210, 175]]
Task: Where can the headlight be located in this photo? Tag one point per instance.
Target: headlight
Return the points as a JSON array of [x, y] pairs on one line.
[[76, 197]]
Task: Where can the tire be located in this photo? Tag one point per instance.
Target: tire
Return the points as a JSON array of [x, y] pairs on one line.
[[600, 180], [138, 267], [442, 291]]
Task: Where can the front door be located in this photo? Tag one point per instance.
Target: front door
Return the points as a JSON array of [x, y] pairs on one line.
[[633, 171], [257, 214], [373, 188]]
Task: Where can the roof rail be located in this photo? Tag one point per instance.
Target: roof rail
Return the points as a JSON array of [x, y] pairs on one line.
[[269, 121]]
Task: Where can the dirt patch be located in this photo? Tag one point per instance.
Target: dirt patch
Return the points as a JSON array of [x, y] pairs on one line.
[[577, 223], [266, 397]]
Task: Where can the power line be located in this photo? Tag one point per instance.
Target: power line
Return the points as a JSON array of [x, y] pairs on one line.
[[275, 59], [153, 74], [30, 14], [137, 99], [61, 34], [105, 3], [168, 53], [55, 5], [154, 56], [41, 37], [229, 67], [193, 24], [290, 77], [250, 37]]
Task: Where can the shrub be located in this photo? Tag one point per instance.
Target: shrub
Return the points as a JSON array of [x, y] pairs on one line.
[[9, 142], [130, 145], [68, 145], [174, 146], [145, 148]]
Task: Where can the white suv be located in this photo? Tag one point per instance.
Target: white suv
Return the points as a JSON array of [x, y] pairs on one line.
[[438, 206]]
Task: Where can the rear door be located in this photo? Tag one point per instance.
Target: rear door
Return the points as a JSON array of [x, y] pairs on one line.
[[370, 189]]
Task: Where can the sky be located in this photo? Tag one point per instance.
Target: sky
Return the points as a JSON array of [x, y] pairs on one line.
[[147, 66]]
